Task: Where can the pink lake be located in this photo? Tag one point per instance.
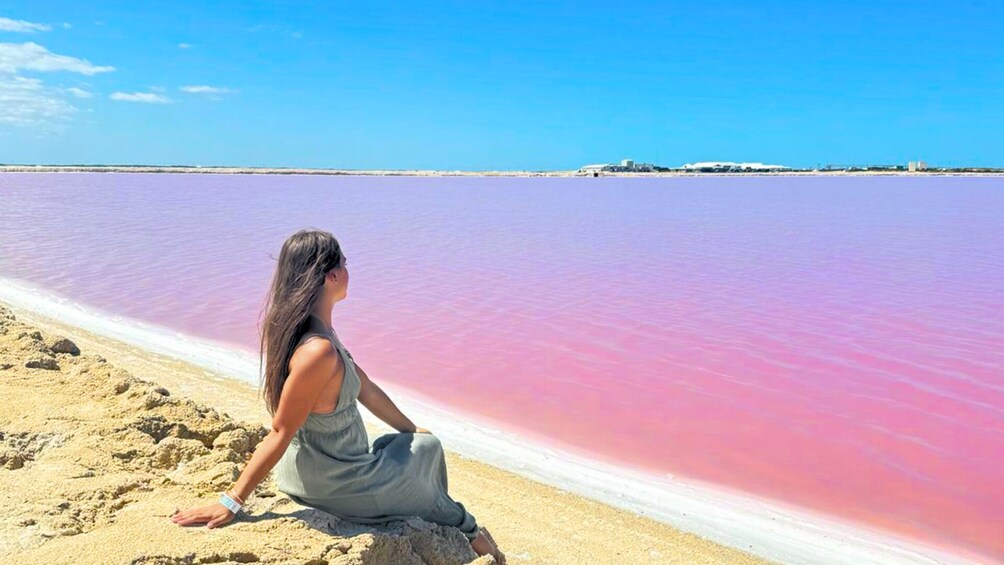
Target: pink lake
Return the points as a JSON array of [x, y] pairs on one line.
[[832, 343]]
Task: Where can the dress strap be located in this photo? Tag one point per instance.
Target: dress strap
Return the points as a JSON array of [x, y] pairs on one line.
[[334, 340]]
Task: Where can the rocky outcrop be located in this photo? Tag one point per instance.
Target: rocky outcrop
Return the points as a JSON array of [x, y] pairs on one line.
[[96, 456]]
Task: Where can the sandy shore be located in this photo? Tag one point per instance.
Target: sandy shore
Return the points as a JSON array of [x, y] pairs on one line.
[[101, 441]]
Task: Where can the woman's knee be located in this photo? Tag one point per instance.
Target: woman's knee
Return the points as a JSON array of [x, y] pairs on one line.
[[429, 439]]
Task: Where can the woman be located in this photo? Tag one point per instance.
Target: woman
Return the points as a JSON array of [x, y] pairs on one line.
[[318, 443]]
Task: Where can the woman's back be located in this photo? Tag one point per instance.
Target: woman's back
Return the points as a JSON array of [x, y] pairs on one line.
[[331, 465]]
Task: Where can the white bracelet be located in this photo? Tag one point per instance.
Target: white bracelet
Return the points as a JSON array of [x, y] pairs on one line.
[[229, 502]]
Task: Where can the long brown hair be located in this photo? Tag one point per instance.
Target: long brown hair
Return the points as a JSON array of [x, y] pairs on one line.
[[297, 285]]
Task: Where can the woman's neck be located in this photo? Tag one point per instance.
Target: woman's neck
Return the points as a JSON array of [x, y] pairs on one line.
[[321, 323]]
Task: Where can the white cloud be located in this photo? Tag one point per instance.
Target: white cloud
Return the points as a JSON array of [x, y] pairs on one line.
[[26, 101], [79, 92], [144, 97], [184, 46], [203, 89], [30, 56], [21, 26]]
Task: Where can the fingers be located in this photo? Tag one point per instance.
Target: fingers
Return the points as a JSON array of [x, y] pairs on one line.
[[214, 515], [190, 516], [185, 517]]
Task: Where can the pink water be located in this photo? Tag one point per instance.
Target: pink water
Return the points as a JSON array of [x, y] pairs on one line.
[[835, 343]]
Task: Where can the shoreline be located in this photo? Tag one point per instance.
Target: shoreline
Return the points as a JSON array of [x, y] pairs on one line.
[[532, 522], [763, 527], [154, 169]]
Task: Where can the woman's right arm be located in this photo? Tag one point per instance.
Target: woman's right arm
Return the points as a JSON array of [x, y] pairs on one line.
[[310, 370]]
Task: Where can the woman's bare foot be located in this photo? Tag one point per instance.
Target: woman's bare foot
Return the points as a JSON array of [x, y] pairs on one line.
[[485, 544], [489, 536]]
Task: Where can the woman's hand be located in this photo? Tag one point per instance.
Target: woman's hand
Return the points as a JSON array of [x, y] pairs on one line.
[[214, 515]]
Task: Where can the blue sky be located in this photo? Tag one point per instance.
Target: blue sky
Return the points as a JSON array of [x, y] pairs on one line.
[[501, 85]]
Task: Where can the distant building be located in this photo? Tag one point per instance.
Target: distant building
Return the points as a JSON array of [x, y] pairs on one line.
[[595, 168], [921, 165], [629, 166], [912, 166], [708, 167], [626, 166], [760, 167], [886, 168], [730, 167]]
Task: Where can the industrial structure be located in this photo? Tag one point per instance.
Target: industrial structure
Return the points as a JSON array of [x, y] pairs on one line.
[[626, 166], [729, 167], [629, 166]]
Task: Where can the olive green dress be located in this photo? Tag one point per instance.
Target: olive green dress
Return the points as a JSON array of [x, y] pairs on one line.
[[330, 465]]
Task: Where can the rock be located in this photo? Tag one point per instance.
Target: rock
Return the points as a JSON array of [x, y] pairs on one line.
[[63, 345], [207, 556], [238, 440], [156, 427], [42, 363], [36, 335], [11, 460], [215, 469], [370, 548], [18, 448], [174, 450], [430, 547], [155, 398], [115, 457]]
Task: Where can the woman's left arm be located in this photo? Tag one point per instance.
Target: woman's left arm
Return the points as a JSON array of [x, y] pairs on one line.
[[376, 401]]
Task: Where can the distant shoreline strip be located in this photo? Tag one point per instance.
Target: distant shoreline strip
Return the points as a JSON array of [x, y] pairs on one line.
[[144, 169]]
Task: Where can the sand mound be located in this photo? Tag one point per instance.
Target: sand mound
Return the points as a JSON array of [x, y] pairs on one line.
[[93, 462]]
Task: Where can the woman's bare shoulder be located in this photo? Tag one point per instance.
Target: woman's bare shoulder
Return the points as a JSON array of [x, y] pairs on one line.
[[314, 365], [314, 350]]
